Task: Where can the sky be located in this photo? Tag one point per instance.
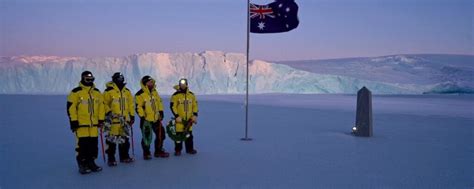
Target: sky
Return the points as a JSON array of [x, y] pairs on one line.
[[328, 28]]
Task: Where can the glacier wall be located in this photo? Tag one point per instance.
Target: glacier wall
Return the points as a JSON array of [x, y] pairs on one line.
[[209, 72]]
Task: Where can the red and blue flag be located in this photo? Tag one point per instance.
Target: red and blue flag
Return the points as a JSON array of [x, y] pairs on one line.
[[276, 17]]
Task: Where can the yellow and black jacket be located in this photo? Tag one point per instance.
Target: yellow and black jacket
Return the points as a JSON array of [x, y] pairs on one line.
[[148, 104], [85, 105], [118, 103], [183, 104]]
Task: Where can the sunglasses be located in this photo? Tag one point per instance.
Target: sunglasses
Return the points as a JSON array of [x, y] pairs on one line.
[[89, 79], [120, 78]]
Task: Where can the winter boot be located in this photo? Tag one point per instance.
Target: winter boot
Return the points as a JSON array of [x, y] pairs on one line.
[[193, 151], [83, 169], [111, 163], [94, 167], [127, 160], [177, 153], [162, 154], [147, 156]]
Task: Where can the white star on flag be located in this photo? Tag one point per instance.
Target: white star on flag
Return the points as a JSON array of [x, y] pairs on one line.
[[261, 25]]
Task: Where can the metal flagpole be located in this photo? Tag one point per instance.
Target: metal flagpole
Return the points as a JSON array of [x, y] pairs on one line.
[[247, 89]]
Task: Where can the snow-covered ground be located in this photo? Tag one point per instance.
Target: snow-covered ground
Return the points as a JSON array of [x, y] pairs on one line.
[[300, 141], [214, 72]]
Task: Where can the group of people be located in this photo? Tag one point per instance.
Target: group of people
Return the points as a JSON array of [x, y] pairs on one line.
[[90, 112]]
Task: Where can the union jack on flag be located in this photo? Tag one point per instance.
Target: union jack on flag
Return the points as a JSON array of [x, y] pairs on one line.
[[278, 16], [261, 11]]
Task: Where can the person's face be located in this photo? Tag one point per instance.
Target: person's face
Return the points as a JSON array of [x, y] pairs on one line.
[[120, 79], [183, 85], [89, 79], [150, 84]]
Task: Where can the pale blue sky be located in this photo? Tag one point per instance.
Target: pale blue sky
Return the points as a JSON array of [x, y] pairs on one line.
[[328, 28]]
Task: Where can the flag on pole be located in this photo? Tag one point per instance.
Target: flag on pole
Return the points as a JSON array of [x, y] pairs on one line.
[[276, 17], [279, 16]]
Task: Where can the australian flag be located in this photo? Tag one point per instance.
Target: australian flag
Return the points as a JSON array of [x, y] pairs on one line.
[[276, 17]]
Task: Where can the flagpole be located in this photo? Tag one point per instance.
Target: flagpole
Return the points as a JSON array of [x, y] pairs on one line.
[[247, 86]]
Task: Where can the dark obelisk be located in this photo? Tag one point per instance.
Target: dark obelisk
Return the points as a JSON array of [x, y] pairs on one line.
[[363, 126]]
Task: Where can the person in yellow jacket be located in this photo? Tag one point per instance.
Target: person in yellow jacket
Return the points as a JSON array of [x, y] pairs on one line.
[[85, 109], [150, 110], [120, 112], [184, 107]]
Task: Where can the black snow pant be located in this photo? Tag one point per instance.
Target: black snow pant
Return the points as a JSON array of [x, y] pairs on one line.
[[123, 150], [188, 143], [159, 137], [87, 150]]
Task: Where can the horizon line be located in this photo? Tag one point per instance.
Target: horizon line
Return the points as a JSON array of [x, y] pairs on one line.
[[289, 60]]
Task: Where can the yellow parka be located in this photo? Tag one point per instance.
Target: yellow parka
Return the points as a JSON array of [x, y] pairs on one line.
[[85, 105], [183, 104], [118, 103], [148, 104]]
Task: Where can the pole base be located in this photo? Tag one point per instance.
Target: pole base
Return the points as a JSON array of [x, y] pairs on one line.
[[246, 139]]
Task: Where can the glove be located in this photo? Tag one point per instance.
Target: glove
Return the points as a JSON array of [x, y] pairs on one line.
[[132, 120], [194, 119], [101, 123], [74, 125], [179, 120], [108, 117]]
